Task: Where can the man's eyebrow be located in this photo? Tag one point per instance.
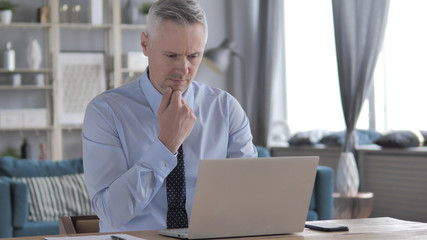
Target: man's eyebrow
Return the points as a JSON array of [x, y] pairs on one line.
[[196, 53], [174, 53], [169, 52]]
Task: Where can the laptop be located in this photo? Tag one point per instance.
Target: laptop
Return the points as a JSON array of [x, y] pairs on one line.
[[238, 197]]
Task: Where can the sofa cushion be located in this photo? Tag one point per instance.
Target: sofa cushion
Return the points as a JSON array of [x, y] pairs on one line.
[[53, 197], [12, 167], [19, 201], [5, 209], [37, 228]]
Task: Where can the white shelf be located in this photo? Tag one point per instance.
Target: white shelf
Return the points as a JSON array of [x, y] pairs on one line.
[[133, 26], [26, 25], [48, 128], [26, 70], [84, 26], [72, 127], [126, 70], [25, 87]]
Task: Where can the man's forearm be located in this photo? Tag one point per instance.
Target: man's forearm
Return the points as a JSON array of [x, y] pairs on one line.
[[119, 193]]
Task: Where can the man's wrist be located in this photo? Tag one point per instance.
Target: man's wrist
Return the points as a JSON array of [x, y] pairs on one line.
[[172, 149]]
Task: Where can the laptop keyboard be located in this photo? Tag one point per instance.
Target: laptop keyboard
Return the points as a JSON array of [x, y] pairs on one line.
[[179, 230]]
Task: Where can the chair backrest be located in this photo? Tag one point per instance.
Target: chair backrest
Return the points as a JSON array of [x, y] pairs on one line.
[[78, 224], [263, 151]]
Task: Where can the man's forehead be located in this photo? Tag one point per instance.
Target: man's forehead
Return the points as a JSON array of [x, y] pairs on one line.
[[175, 38], [168, 27]]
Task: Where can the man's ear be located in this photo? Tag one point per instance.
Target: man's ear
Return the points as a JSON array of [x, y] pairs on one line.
[[144, 42]]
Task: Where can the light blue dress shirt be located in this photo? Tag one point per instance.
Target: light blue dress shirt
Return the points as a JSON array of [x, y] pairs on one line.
[[125, 164]]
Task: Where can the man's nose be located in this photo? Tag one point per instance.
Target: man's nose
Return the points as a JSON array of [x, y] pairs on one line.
[[182, 66]]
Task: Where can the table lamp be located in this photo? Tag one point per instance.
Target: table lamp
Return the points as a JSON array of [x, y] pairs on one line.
[[218, 58]]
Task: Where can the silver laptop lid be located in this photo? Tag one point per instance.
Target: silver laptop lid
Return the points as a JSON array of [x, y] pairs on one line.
[[256, 196]]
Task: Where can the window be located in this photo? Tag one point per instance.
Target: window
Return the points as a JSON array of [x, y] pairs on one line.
[[312, 86], [401, 73]]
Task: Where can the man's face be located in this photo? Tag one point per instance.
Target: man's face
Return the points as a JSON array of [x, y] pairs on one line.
[[174, 54]]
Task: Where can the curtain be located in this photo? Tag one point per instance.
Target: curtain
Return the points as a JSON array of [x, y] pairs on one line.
[[257, 28], [359, 32]]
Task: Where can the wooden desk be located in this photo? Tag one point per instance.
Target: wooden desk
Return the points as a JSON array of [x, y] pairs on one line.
[[363, 228]]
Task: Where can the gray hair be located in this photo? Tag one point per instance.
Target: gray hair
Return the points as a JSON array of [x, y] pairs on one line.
[[183, 12]]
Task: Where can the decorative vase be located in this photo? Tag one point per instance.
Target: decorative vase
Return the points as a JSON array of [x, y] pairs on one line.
[[39, 80], [347, 180], [34, 54], [97, 13], [6, 16], [131, 12], [16, 80], [8, 57]]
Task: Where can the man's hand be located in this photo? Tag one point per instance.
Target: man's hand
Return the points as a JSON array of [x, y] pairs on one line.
[[176, 119]]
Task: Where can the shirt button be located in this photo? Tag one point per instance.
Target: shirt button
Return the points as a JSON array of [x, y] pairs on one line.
[[166, 164]]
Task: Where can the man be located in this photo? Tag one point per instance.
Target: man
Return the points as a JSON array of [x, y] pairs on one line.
[[132, 135]]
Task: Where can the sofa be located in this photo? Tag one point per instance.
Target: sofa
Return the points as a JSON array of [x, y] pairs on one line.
[[14, 207], [322, 202]]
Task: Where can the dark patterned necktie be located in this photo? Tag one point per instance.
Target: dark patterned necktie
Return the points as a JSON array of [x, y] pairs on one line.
[[175, 188]]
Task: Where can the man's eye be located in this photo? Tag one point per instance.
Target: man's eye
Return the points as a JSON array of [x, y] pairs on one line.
[[194, 56], [171, 55]]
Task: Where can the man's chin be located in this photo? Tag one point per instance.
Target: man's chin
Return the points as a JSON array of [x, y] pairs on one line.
[[174, 87], [182, 87], [179, 88]]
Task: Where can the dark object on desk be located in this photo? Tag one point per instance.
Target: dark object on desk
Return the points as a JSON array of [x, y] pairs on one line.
[[78, 224], [326, 227], [117, 238]]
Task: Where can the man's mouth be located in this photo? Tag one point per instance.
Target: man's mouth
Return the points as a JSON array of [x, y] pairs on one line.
[[178, 78], [177, 81]]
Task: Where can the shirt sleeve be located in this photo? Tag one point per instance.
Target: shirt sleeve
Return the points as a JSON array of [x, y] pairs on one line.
[[240, 137], [119, 192]]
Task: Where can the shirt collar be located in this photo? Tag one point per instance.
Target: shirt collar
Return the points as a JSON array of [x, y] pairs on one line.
[[154, 97]]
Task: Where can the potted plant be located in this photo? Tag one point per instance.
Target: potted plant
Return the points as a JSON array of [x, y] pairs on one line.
[[11, 152], [145, 7], [6, 9]]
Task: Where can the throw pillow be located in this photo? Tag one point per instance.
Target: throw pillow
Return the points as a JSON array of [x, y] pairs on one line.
[[307, 138], [402, 139], [54, 197], [364, 137]]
